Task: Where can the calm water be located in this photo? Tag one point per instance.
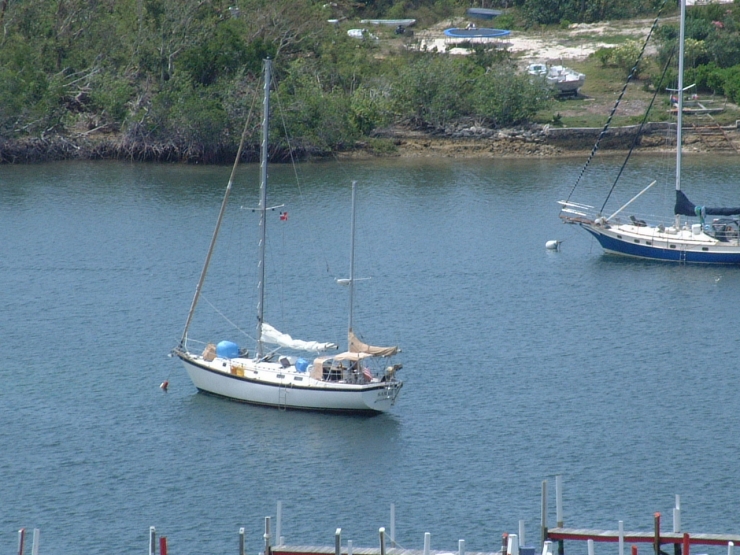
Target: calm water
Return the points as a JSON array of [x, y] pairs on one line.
[[520, 363]]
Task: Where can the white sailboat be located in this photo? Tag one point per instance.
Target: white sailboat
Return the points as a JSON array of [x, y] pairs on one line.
[[357, 380], [702, 241]]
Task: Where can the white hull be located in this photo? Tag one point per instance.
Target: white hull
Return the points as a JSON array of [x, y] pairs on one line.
[[269, 383], [564, 79]]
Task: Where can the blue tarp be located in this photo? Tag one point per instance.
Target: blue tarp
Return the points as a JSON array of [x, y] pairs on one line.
[[227, 349], [483, 13], [483, 33]]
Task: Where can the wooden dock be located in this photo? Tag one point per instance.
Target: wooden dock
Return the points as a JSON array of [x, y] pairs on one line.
[[314, 550], [585, 534]]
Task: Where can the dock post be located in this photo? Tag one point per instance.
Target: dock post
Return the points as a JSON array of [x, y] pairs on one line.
[[241, 541], [512, 548], [677, 524], [621, 537], [152, 540], [21, 539], [634, 549], [338, 542], [36, 540], [461, 547], [559, 500], [504, 543], [393, 525], [547, 548], [427, 542], [730, 545], [590, 545], [381, 532], [521, 533], [677, 515], [349, 547], [543, 517], [656, 540], [686, 543], [279, 522], [559, 510], [266, 536], [163, 545]]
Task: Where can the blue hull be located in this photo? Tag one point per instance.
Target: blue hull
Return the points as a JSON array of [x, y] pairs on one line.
[[617, 246]]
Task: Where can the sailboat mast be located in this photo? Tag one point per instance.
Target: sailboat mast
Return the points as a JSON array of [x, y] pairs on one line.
[[263, 208], [679, 115], [352, 259]]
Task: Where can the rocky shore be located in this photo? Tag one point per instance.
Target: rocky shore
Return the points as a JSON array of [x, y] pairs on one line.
[[545, 141], [455, 141]]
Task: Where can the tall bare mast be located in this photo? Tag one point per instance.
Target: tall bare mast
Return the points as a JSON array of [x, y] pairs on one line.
[[263, 207], [679, 115], [679, 104], [352, 259]]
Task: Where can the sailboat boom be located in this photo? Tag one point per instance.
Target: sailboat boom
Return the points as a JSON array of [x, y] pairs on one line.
[[630, 201]]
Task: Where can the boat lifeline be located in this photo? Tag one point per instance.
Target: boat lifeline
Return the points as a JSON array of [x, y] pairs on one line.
[[713, 242], [341, 382]]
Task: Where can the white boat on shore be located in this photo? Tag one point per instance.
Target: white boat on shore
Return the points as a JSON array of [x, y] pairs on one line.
[[389, 22], [565, 80]]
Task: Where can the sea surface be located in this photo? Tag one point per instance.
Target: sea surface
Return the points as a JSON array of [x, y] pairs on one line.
[[520, 363]]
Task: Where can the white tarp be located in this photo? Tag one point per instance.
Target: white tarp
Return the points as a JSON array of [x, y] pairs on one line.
[[274, 337]]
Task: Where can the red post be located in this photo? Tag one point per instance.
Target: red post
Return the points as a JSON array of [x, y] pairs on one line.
[[656, 541], [686, 543], [163, 545], [634, 549]]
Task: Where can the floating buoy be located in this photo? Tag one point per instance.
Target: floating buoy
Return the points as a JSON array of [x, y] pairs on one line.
[[164, 385], [553, 245]]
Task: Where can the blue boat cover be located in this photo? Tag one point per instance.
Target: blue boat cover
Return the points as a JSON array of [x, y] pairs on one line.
[[483, 33], [483, 13], [684, 207], [227, 349]]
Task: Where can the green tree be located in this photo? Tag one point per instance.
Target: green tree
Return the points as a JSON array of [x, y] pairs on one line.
[[433, 90], [507, 98]]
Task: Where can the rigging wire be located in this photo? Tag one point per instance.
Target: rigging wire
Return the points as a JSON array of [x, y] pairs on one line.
[[294, 166], [228, 320], [204, 271], [632, 73], [183, 339], [639, 130]]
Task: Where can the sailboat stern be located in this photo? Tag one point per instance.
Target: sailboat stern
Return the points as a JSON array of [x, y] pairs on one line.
[[383, 399]]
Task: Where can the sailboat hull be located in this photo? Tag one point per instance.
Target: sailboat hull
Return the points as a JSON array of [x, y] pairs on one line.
[[650, 243], [269, 384]]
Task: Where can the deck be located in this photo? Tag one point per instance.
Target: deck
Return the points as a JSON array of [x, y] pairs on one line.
[[584, 534], [330, 550]]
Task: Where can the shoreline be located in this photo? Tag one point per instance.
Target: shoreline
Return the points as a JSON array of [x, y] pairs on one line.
[[454, 142]]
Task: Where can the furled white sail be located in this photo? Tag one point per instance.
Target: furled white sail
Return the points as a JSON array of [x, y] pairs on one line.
[[274, 337]]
